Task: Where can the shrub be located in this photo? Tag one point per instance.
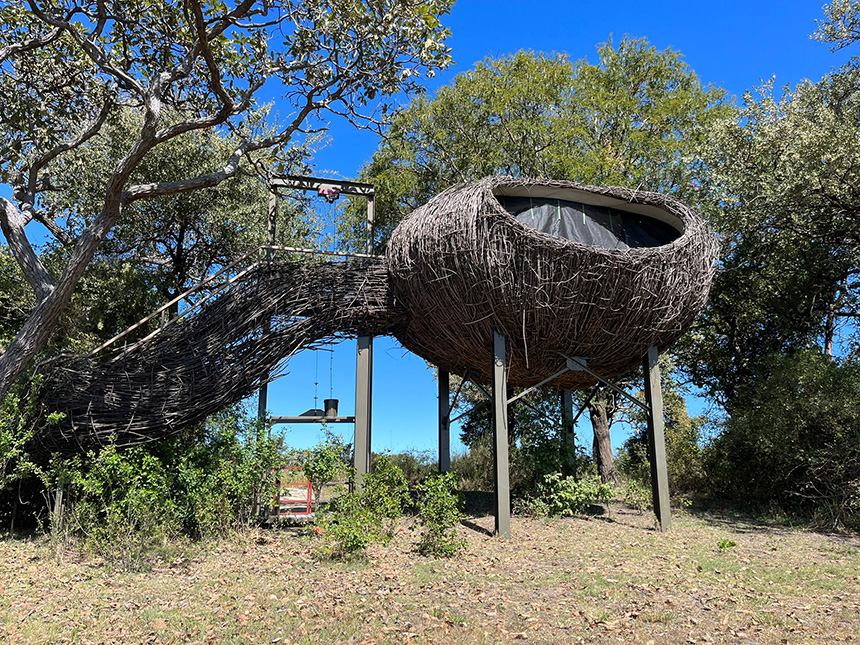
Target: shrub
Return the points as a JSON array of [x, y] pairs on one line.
[[440, 511], [323, 462], [560, 496], [474, 468], [415, 464], [127, 505], [353, 521], [385, 493], [223, 479], [638, 495], [793, 440], [348, 527], [120, 504]]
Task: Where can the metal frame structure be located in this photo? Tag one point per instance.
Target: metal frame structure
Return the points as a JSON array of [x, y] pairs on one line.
[[652, 406], [364, 352]]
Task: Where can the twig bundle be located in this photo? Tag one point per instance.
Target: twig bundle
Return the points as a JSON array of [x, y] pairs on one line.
[[222, 354], [457, 269], [463, 267]]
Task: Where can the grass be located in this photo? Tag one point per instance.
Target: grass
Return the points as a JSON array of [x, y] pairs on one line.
[[571, 580]]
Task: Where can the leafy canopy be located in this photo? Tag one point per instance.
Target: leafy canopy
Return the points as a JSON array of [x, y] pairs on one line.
[[637, 118]]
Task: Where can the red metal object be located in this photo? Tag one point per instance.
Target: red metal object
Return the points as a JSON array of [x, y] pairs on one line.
[[293, 497]]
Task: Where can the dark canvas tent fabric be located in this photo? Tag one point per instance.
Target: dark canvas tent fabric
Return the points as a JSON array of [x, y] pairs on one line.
[[598, 226]]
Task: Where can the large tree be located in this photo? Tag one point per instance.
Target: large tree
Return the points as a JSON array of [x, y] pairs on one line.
[[787, 171], [638, 117], [68, 67], [176, 240]]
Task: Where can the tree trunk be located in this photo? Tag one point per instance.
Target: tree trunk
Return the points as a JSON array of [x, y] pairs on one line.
[[829, 333], [603, 457], [36, 332]]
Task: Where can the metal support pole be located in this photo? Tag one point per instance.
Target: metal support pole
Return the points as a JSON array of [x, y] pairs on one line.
[[364, 378], [500, 438], [368, 231], [569, 429], [444, 422], [363, 396], [271, 222], [656, 439]]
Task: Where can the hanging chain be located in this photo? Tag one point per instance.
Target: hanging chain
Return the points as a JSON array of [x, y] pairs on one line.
[[316, 379]]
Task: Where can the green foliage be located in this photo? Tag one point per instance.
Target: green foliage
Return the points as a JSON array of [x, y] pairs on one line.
[[348, 528], [355, 520], [15, 434], [632, 462], [538, 444], [16, 297], [684, 436], [635, 118], [173, 240], [133, 506], [794, 440], [440, 511], [725, 543], [784, 171], [842, 24], [415, 464], [17, 430], [474, 468], [558, 495], [120, 504], [637, 495], [541, 449], [387, 493], [222, 480], [324, 461]]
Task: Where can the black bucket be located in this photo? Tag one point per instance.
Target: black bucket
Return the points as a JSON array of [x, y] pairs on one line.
[[331, 408]]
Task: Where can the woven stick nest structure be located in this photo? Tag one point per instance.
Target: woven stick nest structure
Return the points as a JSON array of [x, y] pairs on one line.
[[463, 266], [594, 273], [197, 366]]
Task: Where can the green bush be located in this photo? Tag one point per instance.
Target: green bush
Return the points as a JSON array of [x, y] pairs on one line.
[[415, 464], [223, 480], [559, 496], [538, 445], [348, 527], [119, 503], [638, 495], [130, 506], [792, 441], [355, 520], [684, 437], [474, 468], [440, 511], [386, 493], [323, 462]]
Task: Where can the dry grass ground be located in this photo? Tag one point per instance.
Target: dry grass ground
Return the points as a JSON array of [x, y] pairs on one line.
[[560, 581]]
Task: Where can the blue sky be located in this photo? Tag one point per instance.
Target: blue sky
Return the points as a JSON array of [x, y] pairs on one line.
[[730, 44]]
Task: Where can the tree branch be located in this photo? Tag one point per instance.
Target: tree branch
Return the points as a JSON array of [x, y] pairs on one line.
[[93, 52], [12, 222]]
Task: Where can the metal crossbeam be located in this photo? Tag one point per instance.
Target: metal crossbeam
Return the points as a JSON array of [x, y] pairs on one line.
[[565, 369], [299, 182], [608, 384]]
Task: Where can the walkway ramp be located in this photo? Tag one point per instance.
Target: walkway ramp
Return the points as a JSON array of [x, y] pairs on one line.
[[219, 354]]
